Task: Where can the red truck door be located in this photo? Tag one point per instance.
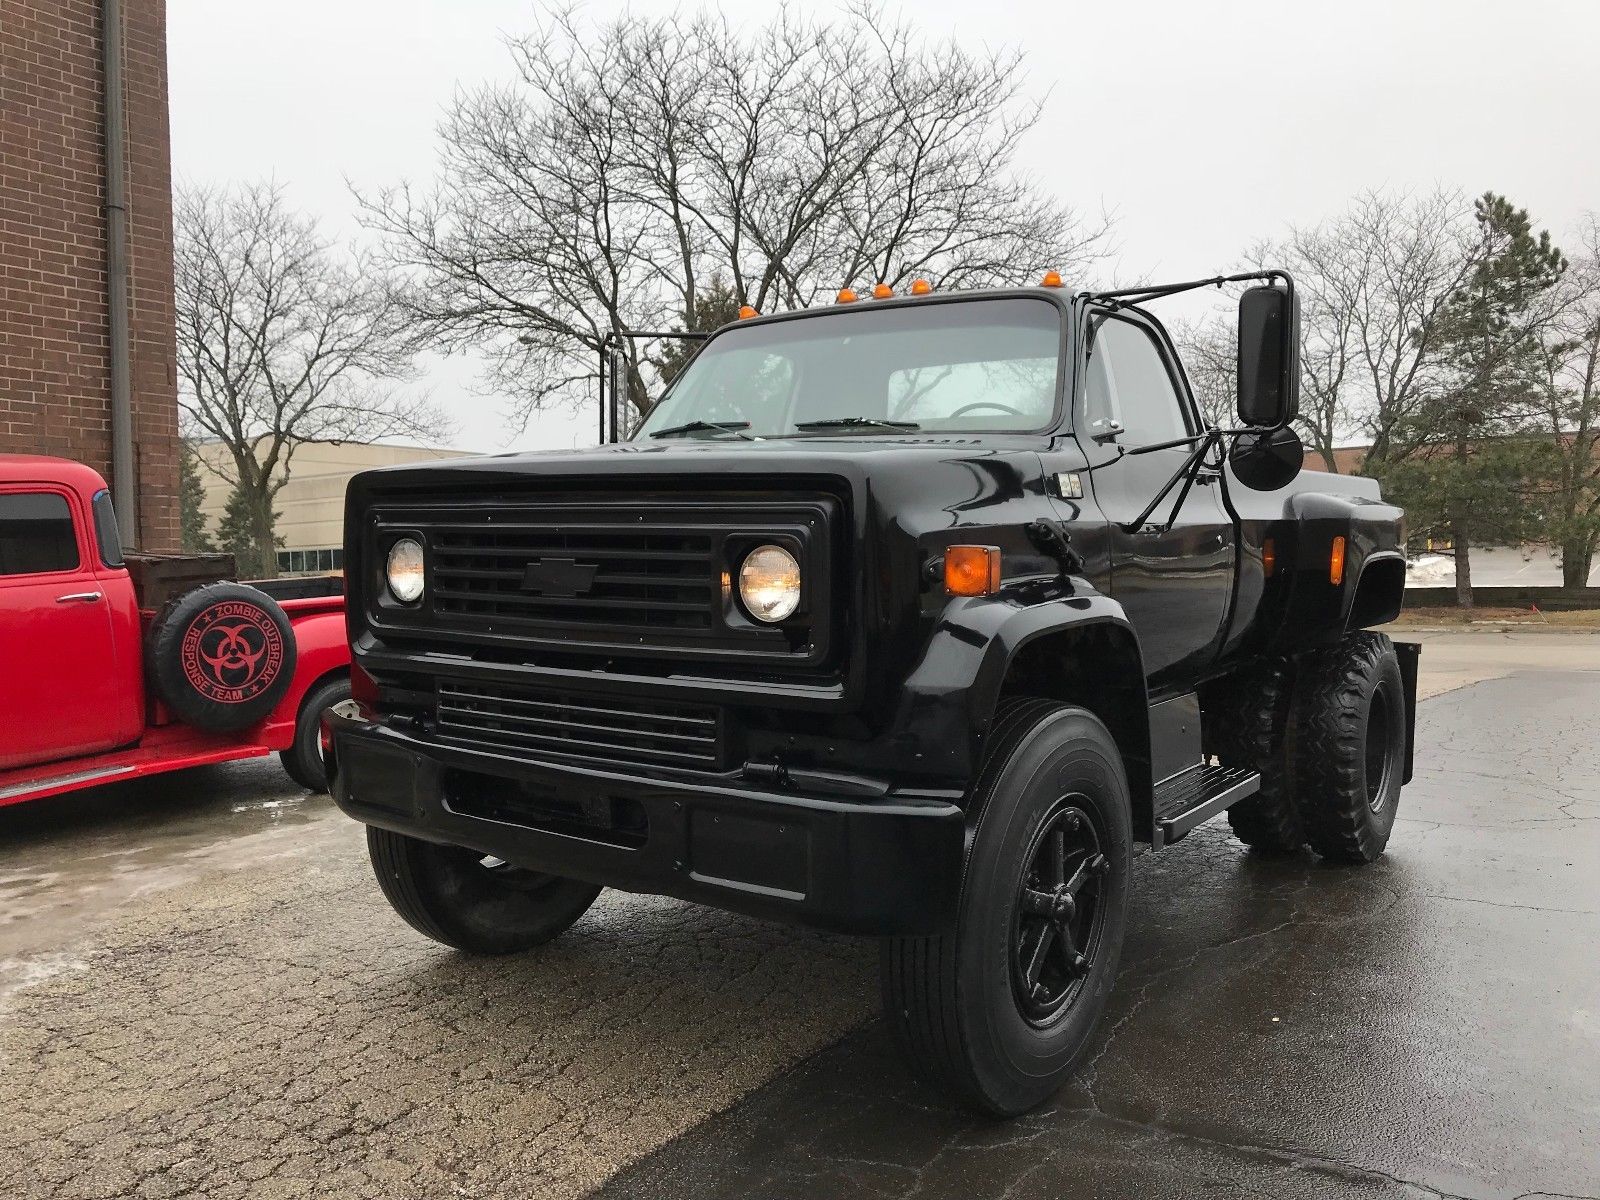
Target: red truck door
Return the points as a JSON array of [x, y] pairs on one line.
[[60, 692]]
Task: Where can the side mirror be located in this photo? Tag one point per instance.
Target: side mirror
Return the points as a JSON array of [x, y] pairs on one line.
[[1269, 357], [1265, 460]]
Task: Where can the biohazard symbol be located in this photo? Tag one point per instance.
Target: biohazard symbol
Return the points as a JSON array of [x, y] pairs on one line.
[[232, 651]]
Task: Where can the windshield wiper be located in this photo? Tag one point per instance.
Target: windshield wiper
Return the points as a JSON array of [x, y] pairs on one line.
[[732, 427], [853, 422]]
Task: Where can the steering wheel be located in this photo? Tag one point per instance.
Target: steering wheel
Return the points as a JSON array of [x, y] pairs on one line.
[[994, 404]]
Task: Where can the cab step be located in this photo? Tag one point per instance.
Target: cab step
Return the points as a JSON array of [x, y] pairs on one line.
[[1196, 795]]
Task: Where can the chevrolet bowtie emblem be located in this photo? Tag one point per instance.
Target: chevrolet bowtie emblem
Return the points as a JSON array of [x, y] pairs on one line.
[[558, 577]]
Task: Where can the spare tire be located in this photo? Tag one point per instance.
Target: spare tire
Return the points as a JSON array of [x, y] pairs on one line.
[[221, 656]]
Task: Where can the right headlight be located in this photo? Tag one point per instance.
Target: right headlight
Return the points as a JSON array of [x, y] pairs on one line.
[[403, 573], [769, 583]]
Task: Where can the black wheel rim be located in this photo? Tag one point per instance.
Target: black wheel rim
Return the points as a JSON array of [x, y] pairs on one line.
[[1379, 751], [1060, 912]]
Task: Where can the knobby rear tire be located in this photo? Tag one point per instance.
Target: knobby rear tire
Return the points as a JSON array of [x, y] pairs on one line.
[[1350, 746], [1247, 724]]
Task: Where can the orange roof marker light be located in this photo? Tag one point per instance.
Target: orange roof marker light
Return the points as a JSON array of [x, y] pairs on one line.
[[846, 296], [1051, 279], [881, 291], [746, 312], [972, 570], [920, 287]]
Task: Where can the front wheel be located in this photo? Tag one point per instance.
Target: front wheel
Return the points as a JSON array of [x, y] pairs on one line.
[[1000, 1008], [472, 901]]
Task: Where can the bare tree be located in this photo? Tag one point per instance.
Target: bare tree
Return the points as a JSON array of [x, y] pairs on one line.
[[281, 341], [1375, 282], [1571, 394], [1209, 351], [633, 162]]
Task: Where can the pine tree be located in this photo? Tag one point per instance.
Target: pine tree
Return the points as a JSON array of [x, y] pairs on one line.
[[714, 307], [249, 536], [191, 496], [1477, 473]]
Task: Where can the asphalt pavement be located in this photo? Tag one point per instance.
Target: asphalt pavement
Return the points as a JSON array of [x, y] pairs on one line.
[[202, 994]]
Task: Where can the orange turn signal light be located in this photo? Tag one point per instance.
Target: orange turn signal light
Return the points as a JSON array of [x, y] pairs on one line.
[[920, 287], [1051, 279], [846, 296], [972, 570], [746, 312], [1336, 562], [1269, 557]]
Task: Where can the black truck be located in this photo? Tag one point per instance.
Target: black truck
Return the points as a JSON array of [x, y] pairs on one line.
[[910, 617]]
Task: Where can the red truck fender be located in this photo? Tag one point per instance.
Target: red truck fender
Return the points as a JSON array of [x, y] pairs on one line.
[[324, 653]]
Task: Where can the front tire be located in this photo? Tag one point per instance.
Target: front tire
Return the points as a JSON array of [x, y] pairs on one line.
[[472, 901], [1350, 746], [1000, 1009]]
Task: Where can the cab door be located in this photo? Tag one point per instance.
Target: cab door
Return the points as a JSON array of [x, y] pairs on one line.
[[1174, 574], [60, 691]]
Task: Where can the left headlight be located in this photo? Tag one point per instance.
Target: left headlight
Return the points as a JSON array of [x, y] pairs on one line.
[[769, 583], [404, 570]]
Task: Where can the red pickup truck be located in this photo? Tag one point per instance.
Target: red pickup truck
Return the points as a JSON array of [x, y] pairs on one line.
[[113, 667]]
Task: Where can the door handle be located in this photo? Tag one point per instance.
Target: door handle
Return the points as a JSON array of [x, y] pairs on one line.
[[84, 597]]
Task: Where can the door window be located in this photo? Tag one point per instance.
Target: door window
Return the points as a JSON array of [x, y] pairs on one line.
[[1128, 382], [36, 534]]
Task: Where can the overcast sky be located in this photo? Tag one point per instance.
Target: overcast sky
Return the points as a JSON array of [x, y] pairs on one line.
[[1201, 124]]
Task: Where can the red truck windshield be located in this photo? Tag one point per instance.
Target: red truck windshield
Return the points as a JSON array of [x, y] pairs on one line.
[[968, 365]]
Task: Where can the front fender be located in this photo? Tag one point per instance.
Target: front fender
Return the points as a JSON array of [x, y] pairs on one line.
[[948, 701]]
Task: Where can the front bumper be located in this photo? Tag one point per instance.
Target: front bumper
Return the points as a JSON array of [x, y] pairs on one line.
[[874, 866]]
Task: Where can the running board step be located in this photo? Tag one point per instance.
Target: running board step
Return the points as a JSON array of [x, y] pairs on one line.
[[1197, 795], [98, 775]]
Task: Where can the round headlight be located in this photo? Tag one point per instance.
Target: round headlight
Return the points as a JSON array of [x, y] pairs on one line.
[[769, 583], [405, 570]]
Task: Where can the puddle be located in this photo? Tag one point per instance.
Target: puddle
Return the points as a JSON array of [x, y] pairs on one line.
[[68, 860]]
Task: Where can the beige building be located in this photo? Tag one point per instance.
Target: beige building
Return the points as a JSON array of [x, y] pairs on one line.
[[311, 504]]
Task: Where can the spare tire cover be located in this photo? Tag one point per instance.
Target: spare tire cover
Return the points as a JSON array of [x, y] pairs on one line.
[[221, 656]]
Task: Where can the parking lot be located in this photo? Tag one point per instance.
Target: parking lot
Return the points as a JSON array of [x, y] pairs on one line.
[[203, 994]]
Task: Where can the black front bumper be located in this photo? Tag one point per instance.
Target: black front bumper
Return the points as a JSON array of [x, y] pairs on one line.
[[878, 866]]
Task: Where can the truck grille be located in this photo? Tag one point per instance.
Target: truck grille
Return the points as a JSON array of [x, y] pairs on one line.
[[646, 575], [622, 579], [619, 729]]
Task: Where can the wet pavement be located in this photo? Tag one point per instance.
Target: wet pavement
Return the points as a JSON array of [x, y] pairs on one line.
[[202, 994], [1427, 1026]]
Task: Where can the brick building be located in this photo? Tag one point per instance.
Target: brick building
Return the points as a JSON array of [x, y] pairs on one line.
[[55, 375]]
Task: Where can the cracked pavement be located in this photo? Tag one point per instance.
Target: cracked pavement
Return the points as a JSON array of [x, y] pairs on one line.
[[203, 994]]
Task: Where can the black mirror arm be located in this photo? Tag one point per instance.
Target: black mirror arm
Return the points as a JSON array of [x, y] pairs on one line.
[[1186, 474]]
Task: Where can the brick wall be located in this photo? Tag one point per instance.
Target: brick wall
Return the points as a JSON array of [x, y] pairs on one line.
[[55, 390]]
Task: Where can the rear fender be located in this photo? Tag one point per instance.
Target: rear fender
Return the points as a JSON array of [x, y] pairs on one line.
[[321, 651], [1319, 609]]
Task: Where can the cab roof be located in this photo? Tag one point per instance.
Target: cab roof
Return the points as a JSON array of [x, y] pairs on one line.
[[44, 468]]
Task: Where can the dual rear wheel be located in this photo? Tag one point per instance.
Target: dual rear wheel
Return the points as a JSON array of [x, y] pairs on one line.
[[1328, 734]]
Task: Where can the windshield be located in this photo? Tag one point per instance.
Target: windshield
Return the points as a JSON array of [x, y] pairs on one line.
[[966, 365]]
